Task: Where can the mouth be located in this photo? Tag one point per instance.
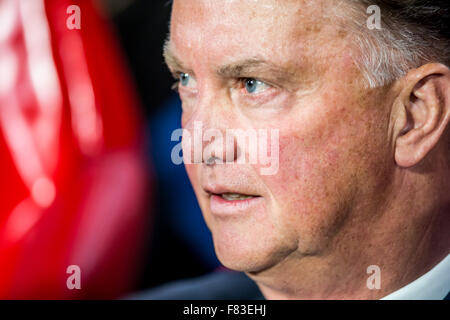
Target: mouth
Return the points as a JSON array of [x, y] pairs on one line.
[[225, 204], [235, 196]]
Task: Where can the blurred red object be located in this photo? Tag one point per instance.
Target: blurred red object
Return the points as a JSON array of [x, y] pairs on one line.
[[73, 176]]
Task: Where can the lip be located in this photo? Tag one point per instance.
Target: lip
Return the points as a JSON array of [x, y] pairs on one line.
[[223, 208], [218, 189]]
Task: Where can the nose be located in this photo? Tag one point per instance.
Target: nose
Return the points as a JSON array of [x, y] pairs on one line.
[[218, 147], [205, 137]]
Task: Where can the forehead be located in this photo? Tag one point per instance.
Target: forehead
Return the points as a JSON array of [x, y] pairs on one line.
[[221, 30]]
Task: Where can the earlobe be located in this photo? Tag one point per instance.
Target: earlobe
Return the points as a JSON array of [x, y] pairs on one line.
[[425, 105]]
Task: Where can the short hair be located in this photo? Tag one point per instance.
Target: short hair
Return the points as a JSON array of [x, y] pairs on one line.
[[412, 33]]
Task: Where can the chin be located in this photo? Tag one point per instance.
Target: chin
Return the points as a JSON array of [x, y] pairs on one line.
[[247, 253]]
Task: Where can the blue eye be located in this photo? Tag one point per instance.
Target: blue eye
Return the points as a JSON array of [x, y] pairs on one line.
[[254, 86], [186, 80]]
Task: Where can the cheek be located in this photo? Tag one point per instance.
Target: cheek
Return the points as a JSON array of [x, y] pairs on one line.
[[328, 159], [305, 203], [191, 170], [303, 170], [309, 149], [315, 178]]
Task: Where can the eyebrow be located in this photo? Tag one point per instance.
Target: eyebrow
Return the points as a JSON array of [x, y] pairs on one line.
[[253, 67], [171, 60]]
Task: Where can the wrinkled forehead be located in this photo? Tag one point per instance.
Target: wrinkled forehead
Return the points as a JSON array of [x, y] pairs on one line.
[[218, 29]]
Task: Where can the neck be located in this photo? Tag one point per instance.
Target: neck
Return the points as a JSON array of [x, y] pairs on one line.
[[405, 237]]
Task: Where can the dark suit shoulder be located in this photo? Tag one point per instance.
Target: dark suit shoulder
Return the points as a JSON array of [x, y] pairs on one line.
[[219, 285]]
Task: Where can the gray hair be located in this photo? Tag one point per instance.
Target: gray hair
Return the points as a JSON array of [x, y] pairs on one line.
[[413, 32]]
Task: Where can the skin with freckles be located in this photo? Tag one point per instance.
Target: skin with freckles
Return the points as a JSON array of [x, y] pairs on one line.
[[349, 191]]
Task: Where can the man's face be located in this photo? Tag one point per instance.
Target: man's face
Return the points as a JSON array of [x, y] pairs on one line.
[[333, 133]]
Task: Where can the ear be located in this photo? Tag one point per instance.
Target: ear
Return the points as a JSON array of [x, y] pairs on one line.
[[423, 112]]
